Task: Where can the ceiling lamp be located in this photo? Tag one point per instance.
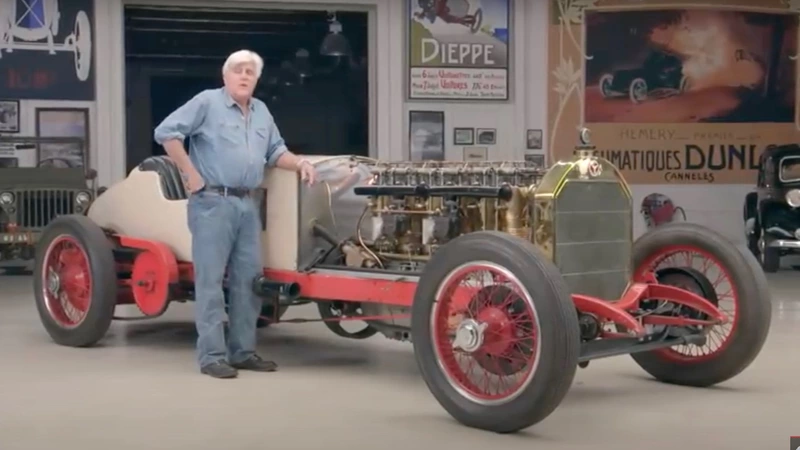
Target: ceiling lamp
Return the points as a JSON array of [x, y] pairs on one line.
[[302, 65], [335, 44]]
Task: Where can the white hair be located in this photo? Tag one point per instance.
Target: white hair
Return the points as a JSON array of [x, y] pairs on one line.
[[241, 57]]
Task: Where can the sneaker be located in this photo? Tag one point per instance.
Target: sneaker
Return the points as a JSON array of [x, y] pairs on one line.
[[219, 369], [255, 363]]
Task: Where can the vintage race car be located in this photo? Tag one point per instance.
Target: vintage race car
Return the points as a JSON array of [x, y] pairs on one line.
[[505, 277]]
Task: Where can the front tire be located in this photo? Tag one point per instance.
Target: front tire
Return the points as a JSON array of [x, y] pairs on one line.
[[737, 277], [533, 308], [638, 90], [75, 281]]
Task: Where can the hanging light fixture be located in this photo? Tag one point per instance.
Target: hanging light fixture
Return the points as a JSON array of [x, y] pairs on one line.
[[335, 44], [301, 64]]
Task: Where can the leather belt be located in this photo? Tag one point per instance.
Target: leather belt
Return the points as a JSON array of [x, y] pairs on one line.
[[227, 191]]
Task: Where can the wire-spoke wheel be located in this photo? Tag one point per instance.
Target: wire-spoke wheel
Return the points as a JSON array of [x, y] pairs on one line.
[[495, 332], [75, 281], [725, 276]]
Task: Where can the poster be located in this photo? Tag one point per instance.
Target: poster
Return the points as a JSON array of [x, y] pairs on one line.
[[47, 49], [675, 93], [458, 49]]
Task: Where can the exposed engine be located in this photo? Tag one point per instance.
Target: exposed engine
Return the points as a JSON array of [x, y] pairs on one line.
[[416, 207]]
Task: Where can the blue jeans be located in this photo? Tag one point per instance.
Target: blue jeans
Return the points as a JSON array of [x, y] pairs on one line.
[[225, 233]]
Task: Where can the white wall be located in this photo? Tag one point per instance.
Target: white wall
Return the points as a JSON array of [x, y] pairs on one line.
[[718, 207]]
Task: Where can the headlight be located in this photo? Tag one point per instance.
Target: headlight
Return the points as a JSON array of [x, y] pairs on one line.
[[82, 198], [793, 198], [6, 198]]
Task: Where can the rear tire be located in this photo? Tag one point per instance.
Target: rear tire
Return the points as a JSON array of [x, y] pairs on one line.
[[91, 257], [751, 321], [554, 367]]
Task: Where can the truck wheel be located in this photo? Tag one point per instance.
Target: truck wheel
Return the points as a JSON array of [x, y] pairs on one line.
[[75, 281], [499, 356], [740, 291]]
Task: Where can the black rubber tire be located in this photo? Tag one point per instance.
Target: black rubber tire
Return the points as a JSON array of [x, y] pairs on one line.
[[770, 258], [104, 281], [754, 308], [558, 328]]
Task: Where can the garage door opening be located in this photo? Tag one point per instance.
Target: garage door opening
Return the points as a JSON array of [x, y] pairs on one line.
[[316, 88]]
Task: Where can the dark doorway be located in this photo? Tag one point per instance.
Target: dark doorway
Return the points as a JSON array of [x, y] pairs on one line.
[[320, 102]]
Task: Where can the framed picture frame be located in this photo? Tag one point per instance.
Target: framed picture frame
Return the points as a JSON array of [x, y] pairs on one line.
[[486, 136], [533, 139], [476, 154], [9, 116], [63, 123], [426, 135], [463, 136], [536, 159]]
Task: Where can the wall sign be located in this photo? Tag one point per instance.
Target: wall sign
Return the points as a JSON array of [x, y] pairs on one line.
[[47, 52], [675, 94], [458, 49]]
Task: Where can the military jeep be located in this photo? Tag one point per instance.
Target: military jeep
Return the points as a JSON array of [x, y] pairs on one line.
[[30, 197]]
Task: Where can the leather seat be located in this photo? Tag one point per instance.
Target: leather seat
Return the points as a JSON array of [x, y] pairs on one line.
[[169, 174]]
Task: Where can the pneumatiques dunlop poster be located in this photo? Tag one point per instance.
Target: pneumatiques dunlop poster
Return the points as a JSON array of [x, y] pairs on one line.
[[458, 49], [674, 92]]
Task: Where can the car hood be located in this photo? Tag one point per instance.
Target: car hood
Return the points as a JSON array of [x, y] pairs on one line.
[[42, 177]]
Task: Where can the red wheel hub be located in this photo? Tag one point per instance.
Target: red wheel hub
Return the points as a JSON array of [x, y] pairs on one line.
[[67, 281], [499, 333], [488, 348]]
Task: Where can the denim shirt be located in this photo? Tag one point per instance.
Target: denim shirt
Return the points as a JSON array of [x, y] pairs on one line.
[[226, 148]]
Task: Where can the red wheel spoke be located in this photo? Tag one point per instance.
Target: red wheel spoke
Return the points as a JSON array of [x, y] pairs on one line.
[[67, 282], [717, 336], [500, 354]]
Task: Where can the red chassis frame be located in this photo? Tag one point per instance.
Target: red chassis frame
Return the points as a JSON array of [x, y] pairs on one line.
[[155, 273]]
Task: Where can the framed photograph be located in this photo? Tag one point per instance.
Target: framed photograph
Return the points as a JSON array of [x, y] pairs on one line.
[[486, 136], [426, 135], [463, 136], [533, 138], [63, 123], [476, 154], [9, 116], [536, 159]]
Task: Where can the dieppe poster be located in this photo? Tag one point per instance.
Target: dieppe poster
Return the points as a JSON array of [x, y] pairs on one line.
[[674, 92], [458, 49]]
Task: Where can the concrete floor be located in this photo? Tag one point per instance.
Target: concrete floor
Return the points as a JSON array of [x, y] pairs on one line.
[[141, 391]]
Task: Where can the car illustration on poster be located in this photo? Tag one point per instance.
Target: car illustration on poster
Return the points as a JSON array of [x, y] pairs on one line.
[[660, 71], [33, 25], [451, 11]]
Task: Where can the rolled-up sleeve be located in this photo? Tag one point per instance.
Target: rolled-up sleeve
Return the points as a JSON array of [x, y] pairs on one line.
[[184, 121], [276, 146]]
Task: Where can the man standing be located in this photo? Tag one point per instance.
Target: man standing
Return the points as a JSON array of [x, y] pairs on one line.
[[233, 136]]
